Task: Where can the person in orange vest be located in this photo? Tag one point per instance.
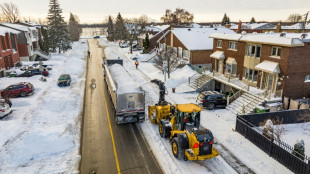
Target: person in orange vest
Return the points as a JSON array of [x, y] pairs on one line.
[[136, 63]]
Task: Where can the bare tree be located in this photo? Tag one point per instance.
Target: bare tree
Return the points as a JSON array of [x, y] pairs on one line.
[[294, 18], [10, 12], [179, 16], [173, 61]]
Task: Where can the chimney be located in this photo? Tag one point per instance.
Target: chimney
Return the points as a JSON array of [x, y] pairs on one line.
[[278, 29], [239, 27]]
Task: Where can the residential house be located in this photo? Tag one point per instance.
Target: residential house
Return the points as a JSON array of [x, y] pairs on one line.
[[155, 32], [9, 52], [270, 61], [36, 32], [252, 27], [192, 45], [25, 41]]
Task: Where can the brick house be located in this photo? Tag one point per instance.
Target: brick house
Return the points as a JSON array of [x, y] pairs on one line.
[[155, 32], [35, 31], [25, 41], [193, 45], [274, 61], [9, 53]]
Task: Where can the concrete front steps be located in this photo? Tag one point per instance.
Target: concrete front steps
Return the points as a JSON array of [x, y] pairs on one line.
[[200, 81], [247, 101]]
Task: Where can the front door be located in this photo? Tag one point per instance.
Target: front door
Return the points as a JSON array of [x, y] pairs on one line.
[[268, 81]]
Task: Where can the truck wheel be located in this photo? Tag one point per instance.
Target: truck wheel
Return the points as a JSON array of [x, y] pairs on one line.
[[177, 151], [183, 140]]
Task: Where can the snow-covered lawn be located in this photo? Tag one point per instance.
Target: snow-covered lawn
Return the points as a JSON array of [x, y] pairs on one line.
[[220, 122], [42, 135]]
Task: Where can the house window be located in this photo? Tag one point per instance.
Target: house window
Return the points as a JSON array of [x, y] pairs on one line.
[[276, 51], [175, 50], [180, 52], [13, 43], [307, 78], [233, 45], [250, 74], [185, 53], [219, 43], [253, 50]]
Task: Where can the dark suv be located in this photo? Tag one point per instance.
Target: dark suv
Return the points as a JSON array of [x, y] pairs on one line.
[[32, 72], [21, 89], [211, 99]]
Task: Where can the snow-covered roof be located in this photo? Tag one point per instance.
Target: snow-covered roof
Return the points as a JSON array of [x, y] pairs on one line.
[[125, 83], [157, 28], [4, 30], [17, 26], [296, 26], [268, 66], [287, 39], [254, 26], [198, 38]]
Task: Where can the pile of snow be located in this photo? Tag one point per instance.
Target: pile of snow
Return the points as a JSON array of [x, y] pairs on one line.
[[42, 135], [179, 77], [111, 53], [125, 83]]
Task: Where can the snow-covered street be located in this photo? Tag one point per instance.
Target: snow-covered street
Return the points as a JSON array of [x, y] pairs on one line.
[[42, 135], [239, 155]]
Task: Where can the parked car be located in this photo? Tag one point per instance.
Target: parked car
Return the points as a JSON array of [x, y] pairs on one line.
[[4, 109], [33, 72], [96, 37], [123, 45], [64, 80], [211, 99], [37, 65], [21, 89]]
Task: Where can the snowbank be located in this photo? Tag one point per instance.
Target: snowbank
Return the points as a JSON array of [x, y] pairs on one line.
[[42, 135]]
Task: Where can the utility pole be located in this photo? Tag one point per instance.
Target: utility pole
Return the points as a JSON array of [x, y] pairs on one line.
[[305, 21]]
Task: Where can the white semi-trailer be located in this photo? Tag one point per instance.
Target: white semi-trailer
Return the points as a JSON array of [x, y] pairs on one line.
[[127, 97]]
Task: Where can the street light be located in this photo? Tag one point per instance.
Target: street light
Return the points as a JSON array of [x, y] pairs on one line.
[[165, 63]]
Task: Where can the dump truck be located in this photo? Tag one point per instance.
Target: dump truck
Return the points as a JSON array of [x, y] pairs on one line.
[[181, 124], [127, 97]]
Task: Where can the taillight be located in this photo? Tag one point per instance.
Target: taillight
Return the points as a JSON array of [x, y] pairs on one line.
[[201, 144], [1, 110], [203, 101], [196, 145], [211, 142]]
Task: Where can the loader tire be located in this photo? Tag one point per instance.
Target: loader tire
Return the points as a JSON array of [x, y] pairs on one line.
[[183, 140], [177, 151]]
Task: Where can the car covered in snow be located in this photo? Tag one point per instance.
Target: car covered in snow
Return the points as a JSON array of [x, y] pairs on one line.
[[211, 99], [123, 45], [4, 109], [64, 80], [18, 90]]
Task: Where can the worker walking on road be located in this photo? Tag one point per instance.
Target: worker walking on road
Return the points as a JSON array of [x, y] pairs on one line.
[[136, 63]]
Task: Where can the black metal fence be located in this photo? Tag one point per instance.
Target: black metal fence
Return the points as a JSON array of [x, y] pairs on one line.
[[278, 150]]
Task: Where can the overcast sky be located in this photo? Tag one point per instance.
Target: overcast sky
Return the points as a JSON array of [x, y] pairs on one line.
[[95, 11]]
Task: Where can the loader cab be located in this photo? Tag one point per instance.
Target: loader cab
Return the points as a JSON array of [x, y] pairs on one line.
[[187, 114]]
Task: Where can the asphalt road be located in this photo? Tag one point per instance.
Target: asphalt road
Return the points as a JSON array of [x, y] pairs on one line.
[[105, 146]]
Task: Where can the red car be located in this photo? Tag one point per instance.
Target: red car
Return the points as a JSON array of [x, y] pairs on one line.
[[21, 89]]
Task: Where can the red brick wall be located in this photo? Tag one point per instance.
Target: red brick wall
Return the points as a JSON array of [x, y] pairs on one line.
[[238, 55], [298, 68], [23, 50], [201, 57], [13, 57]]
